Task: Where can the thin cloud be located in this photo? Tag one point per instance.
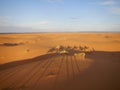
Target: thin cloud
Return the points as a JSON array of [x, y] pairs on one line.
[[108, 2], [75, 18], [52, 1], [113, 6], [115, 10], [5, 21], [40, 24]]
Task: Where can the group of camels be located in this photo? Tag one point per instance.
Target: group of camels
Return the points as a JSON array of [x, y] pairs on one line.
[[69, 49]]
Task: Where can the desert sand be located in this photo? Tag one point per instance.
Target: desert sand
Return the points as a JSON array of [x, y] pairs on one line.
[[26, 64]]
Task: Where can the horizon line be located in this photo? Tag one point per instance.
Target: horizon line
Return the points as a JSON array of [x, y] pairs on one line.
[[61, 32]]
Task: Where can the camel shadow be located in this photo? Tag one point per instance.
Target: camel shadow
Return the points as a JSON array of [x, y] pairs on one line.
[[97, 73], [26, 61], [104, 55], [95, 55], [102, 74]]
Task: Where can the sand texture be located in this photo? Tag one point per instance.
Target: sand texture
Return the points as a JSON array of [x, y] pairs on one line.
[[34, 61]]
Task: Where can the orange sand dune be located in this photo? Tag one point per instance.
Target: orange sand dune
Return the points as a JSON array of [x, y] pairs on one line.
[[22, 46], [25, 63]]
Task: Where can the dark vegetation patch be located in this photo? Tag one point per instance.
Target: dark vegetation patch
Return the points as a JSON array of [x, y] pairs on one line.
[[11, 44], [28, 50], [107, 37]]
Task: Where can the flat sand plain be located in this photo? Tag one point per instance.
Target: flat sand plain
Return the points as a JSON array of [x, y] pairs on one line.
[[25, 63]]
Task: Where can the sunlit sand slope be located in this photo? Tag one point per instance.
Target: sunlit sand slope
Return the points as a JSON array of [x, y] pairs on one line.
[[23, 46]]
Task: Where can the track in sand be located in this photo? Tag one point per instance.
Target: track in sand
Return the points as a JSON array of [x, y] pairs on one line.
[[57, 72]]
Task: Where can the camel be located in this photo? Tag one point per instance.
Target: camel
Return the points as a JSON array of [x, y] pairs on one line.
[[76, 51], [63, 52], [75, 47], [81, 55], [51, 50], [59, 48]]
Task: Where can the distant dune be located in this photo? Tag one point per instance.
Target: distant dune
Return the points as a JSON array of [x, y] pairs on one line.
[[23, 46]]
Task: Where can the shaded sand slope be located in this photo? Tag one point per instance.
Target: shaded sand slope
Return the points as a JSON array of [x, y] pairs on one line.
[[99, 71], [23, 46], [103, 74]]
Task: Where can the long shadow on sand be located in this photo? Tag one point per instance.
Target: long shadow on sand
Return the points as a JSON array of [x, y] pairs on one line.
[[100, 55], [26, 61], [103, 74], [95, 55]]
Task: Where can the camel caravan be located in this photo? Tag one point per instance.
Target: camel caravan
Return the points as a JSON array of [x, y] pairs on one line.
[[68, 50]]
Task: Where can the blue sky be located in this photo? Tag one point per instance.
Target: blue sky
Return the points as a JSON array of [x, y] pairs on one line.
[[59, 15]]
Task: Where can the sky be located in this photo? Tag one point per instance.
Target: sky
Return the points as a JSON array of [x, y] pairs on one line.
[[59, 15]]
